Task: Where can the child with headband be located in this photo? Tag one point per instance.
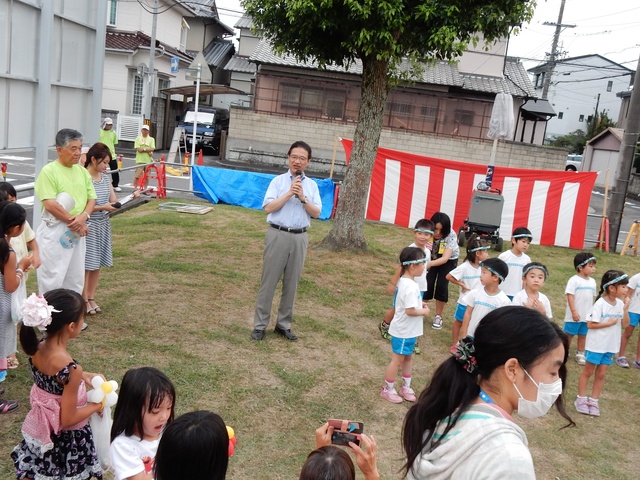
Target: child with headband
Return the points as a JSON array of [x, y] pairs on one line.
[[406, 326], [516, 259], [534, 274], [634, 318], [487, 297], [467, 277], [580, 292], [605, 322], [423, 239]]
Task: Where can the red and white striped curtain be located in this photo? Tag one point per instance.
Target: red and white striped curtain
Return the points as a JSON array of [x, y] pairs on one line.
[[406, 187]]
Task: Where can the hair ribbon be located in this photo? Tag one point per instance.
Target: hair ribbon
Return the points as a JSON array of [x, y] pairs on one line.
[[588, 260], [464, 352]]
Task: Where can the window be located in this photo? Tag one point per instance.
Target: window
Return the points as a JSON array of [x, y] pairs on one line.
[[311, 99], [162, 84], [401, 108], [429, 111], [184, 30], [112, 12], [136, 101], [464, 117], [539, 80], [609, 85], [290, 96], [590, 119], [560, 115], [581, 118]]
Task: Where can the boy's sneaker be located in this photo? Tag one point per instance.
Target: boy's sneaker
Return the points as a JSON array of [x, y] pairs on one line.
[[384, 330], [636, 364], [582, 406], [594, 409], [580, 358], [622, 362], [391, 395], [437, 322], [408, 394]]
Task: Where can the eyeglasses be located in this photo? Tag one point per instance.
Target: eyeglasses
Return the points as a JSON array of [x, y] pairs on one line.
[[298, 158]]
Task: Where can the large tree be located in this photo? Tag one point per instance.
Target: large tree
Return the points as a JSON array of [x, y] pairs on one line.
[[380, 33]]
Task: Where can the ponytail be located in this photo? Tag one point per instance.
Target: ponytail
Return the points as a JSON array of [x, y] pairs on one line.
[[11, 215]]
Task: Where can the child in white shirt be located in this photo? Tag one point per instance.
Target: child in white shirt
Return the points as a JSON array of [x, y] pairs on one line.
[[406, 326], [580, 292], [516, 259], [487, 297], [534, 274], [467, 277], [634, 316]]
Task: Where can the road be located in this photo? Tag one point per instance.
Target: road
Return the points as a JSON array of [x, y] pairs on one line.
[[21, 167]]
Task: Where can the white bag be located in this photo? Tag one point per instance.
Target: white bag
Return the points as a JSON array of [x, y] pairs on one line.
[[101, 429], [17, 299]]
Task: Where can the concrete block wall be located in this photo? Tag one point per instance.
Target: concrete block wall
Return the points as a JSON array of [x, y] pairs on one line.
[[261, 138]]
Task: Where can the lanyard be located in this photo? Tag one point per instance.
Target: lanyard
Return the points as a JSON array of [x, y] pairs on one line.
[[486, 398]]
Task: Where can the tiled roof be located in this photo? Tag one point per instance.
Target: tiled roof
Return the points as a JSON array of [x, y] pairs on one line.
[[244, 22], [515, 81], [217, 51], [240, 64], [131, 41], [202, 8]]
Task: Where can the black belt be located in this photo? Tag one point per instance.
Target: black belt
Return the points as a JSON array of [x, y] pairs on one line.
[[287, 229]]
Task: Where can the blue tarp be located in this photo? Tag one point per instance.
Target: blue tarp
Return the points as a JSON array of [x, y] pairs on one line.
[[247, 189]]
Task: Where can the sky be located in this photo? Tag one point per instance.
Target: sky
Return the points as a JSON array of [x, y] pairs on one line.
[[610, 29]]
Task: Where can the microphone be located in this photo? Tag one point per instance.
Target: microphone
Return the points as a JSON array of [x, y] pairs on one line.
[[298, 174]]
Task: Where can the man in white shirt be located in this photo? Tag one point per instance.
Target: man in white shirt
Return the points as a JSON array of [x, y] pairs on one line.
[[290, 202]]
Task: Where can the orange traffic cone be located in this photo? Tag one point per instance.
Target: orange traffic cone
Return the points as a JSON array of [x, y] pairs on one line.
[[200, 162]]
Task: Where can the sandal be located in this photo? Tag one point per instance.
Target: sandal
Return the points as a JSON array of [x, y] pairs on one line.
[[12, 362], [7, 405], [90, 311], [97, 308]]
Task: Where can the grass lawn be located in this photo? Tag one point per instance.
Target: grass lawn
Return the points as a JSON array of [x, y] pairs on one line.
[[181, 297]]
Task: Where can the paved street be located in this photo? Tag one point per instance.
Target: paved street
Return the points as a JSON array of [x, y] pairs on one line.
[[21, 166]]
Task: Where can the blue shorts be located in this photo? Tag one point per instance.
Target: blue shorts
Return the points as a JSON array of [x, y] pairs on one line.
[[403, 346], [459, 315], [634, 318], [575, 328], [599, 358]]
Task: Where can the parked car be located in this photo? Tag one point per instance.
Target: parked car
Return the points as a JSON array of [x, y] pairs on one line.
[[211, 123], [573, 163]]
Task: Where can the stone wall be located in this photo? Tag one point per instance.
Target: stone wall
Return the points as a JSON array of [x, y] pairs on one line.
[[262, 138]]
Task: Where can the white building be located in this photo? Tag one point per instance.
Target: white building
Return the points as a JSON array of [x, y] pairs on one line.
[[578, 87], [51, 60], [183, 29]]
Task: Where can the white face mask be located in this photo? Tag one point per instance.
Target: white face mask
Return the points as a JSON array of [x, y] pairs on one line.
[[547, 396]]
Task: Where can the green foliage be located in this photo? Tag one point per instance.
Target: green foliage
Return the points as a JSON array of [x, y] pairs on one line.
[[575, 141], [339, 31]]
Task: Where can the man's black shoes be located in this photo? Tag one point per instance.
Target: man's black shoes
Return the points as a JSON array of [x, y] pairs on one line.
[[257, 335], [288, 334]]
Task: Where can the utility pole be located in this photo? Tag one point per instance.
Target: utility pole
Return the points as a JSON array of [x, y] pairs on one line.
[[625, 162], [554, 50], [152, 57]]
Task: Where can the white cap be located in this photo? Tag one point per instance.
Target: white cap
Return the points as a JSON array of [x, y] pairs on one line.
[[145, 127], [108, 121]]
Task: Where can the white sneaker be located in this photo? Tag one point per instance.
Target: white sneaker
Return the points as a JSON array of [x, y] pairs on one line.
[[117, 189], [437, 322], [580, 358]]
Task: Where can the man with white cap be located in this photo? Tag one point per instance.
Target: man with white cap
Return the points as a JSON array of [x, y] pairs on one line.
[[110, 139], [145, 144], [67, 195]]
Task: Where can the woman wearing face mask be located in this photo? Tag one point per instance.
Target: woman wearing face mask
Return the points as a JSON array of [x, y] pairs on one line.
[[461, 426]]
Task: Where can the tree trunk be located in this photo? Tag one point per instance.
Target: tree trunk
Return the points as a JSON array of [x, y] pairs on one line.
[[347, 232]]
